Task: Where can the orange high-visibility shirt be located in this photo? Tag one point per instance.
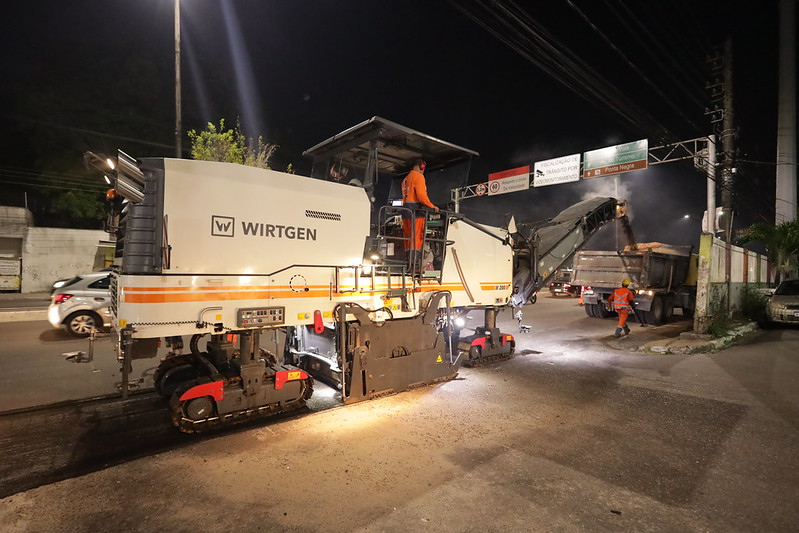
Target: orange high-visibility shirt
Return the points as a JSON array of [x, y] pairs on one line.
[[622, 298], [414, 189]]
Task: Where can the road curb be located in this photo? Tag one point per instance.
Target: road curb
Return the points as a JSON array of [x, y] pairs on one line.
[[693, 344]]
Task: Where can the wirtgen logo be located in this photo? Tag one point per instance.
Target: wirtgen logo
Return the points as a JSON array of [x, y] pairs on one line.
[[222, 226]]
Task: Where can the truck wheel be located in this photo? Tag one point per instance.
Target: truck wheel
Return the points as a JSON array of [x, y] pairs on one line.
[[81, 323], [600, 311], [668, 308], [589, 309], [654, 316], [534, 297]]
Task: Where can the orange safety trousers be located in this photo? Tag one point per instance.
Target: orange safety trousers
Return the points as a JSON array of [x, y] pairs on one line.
[[623, 313], [414, 241]]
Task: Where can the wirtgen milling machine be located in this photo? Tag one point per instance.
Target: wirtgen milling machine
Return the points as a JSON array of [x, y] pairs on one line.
[[279, 279]]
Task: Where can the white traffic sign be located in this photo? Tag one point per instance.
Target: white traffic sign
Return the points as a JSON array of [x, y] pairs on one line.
[[558, 170], [481, 189], [512, 180]]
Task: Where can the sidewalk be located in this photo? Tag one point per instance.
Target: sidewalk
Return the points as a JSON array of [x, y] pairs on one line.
[[678, 338], [19, 307], [689, 342]]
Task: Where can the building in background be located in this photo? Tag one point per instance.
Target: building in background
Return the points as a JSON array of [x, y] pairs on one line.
[[32, 258]]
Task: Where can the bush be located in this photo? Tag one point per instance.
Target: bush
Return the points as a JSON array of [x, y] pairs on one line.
[[753, 305], [721, 323]]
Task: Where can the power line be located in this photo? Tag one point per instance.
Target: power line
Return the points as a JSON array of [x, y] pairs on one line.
[[512, 25], [98, 190], [632, 65], [90, 132]]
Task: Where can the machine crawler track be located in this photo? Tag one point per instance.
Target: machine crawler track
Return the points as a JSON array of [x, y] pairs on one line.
[[485, 360], [214, 421]]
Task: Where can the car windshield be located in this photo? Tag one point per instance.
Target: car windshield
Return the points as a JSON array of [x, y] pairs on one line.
[[788, 288]]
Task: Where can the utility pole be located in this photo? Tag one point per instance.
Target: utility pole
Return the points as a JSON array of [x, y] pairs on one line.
[[178, 119], [785, 207], [727, 145]]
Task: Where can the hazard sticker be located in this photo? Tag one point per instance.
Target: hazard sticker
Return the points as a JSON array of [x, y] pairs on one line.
[[439, 359]]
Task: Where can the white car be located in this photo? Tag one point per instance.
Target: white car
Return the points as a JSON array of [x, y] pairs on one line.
[[81, 304]]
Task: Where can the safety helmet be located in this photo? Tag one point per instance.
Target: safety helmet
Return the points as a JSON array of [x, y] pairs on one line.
[[625, 283]]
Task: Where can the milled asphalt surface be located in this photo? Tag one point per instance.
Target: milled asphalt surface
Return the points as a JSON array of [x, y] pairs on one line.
[[569, 435]]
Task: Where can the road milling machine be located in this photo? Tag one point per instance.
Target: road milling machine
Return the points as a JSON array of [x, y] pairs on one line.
[[280, 279]]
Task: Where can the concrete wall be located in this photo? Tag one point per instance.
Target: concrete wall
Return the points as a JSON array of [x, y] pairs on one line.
[[55, 253], [715, 293], [14, 221]]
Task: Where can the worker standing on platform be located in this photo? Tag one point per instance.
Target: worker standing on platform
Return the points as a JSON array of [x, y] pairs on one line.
[[622, 301], [414, 195]]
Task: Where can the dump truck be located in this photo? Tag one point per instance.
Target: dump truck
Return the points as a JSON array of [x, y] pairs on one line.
[[663, 278]]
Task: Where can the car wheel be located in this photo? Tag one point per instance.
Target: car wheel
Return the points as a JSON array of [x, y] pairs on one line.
[[81, 323]]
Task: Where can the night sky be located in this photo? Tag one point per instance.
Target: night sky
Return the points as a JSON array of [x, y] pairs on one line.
[[98, 75]]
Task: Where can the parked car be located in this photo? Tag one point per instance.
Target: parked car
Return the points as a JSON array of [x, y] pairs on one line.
[[563, 285], [81, 304], [783, 306]]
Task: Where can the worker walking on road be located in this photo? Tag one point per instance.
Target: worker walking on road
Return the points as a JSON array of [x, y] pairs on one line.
[[414, 195], [622, 301]]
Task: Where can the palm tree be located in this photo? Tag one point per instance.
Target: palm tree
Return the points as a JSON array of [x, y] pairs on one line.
[[781, 242]]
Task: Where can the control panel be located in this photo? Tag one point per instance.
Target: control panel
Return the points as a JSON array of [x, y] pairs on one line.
[[253, 317]]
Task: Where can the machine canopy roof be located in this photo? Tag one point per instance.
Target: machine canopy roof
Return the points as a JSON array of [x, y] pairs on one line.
[[396, 147]]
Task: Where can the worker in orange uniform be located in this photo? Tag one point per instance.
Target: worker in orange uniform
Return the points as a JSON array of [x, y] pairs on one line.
[[622, 301], [414, 195]]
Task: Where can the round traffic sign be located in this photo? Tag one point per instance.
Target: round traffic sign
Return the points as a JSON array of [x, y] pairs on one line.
[[480, 190]]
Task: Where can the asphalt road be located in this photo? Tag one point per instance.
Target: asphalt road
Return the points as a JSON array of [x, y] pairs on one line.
[[574, 433], [34, 371]]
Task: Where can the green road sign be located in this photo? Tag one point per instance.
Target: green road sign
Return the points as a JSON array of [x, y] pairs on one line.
[[616, 159]]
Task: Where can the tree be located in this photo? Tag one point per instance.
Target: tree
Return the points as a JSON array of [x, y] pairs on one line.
[[781, 242], [230, 146]]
